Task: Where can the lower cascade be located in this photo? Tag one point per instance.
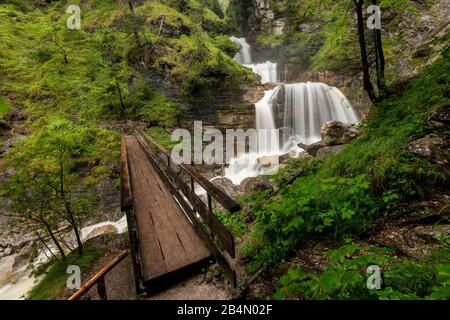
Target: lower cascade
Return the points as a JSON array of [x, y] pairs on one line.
[[309, 105]]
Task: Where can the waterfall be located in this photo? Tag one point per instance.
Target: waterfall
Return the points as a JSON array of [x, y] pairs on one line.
[[246, 165], [244, 56], [268, 138], [308, 106], [266, 70]]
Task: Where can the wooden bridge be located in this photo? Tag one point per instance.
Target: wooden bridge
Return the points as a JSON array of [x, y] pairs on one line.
[[173, 232]]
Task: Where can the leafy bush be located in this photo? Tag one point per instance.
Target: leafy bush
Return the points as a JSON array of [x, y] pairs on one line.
[[346, 276], [155, 108]]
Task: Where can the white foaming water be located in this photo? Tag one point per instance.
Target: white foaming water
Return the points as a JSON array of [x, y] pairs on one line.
[[308, 106], [244, 56], [246, 165], [267, 71]]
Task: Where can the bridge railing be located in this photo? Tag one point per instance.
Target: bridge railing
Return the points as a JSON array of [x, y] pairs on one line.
[[99, 279], [126, 204], [181, 179]]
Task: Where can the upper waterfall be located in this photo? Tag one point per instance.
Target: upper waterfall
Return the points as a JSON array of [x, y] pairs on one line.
[[244, 56], [266, 70]]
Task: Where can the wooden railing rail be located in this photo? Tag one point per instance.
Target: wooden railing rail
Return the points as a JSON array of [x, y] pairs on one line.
[[126, 204], [99, 279], [214, 192], [126, 198]]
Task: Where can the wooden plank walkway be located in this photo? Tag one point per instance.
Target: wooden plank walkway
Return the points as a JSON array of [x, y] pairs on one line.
[[167, 240]]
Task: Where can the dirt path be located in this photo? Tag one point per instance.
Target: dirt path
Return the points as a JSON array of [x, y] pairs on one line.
[[208, 285]]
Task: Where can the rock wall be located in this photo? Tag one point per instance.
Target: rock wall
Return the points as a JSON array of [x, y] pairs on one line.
[[259, 16]]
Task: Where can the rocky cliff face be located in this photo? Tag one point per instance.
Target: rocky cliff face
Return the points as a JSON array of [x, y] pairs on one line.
[[258, 15], [412, 37], [232, 109]]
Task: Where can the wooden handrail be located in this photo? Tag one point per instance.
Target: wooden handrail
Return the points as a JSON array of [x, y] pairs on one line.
[[99, 278], [218, 194], [126, 199]]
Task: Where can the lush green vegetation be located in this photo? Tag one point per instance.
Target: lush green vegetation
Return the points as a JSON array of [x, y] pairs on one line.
[[48, 188], [345, 277], [162, 136], [342, 194], [96, 73], [55, 278], [319, 35], [5, 107]]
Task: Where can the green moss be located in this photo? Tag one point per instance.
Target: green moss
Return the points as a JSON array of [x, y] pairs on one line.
[[162, 137], [5, 107]]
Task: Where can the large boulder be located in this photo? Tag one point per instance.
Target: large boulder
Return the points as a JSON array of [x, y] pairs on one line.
[[226, 185], [312, 149], [336, 132], [440, 117], [329, 150], [433, 147], [6, 269], [255, 184], [270, 161]]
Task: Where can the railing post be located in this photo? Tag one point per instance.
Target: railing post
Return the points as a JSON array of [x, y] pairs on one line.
[[101, 289], [209, 202]]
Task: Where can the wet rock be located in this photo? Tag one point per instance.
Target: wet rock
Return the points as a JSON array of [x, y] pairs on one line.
[[6, 269], [434, 232], [329, 150], [434, 147], [226, 185], [270, 161], [336, 132], [7, 251], [312, 149], [440, 117], [255, 184]]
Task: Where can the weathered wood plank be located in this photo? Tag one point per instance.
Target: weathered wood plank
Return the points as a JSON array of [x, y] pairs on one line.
[[152, 260], [167, 240], [218, 229], [218, 255], [126, 201], [218, 194]]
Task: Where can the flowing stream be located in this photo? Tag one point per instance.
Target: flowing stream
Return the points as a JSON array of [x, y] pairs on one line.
[[307, 106], [24, 282]]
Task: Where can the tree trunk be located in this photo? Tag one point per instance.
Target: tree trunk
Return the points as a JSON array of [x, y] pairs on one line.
[[136, 35], [54, 239], [120, 94], [69, 212], [130, 4], [368, 87], [381, 64]]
